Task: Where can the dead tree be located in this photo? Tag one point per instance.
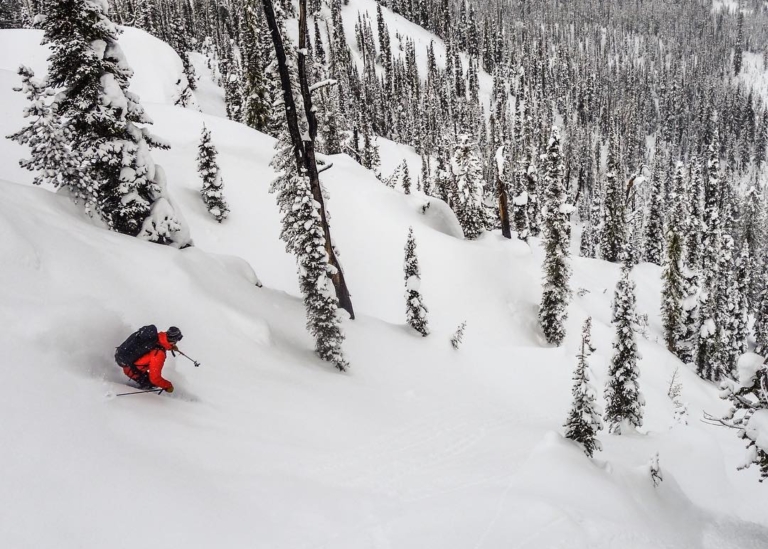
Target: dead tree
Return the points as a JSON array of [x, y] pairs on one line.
[[303, 148], [501, 190]]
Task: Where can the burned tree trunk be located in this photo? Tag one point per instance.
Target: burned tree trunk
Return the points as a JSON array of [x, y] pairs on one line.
[[304, 146], [501, 189]]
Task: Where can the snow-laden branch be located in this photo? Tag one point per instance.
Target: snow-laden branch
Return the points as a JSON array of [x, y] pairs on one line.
[[323, 84]]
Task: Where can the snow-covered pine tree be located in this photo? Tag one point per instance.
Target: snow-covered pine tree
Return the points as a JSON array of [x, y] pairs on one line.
[[709, 333], [426, 176], [87, 64], [695, 216], [557, 270], [654, 469], [369, 156], [415, 310], [590, 236], [740, 303], [208, 169], [256, 88], [184, 97], [303, 236], [458, 336], [613, 234], [303, 231], [467, 195], [674, 392], [519, 183], [726, 311], [749, 413], [406, 182], [624, 401], [49, 139], [753, 234], [761, 314], [520, 207], [738, 50], [761, 137], [584, 420], [232, 68], [688, 342], [654, 227], [673, 281]]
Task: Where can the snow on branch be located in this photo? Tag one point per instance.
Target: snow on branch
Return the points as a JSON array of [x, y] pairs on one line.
[[323, 84]]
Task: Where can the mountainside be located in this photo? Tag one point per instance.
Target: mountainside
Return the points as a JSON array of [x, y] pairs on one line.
[[264, 445]]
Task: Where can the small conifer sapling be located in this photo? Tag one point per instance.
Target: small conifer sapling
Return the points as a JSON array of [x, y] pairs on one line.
[[584, 419], [208, 169], [457, 338], [416, 311]]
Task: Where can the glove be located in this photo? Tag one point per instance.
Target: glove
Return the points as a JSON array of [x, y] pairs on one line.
[[169, 389]]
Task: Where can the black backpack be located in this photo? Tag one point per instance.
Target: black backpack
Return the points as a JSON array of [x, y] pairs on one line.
[[137, 345]]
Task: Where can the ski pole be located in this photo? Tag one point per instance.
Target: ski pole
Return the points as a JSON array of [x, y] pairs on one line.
[[196, 363], [158, 391]]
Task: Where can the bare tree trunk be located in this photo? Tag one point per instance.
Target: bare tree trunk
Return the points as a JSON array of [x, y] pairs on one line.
[[304, 151], [339, 282], [501, 189]]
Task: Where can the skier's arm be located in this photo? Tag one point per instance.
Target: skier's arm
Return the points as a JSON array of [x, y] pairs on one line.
[[156, 362]]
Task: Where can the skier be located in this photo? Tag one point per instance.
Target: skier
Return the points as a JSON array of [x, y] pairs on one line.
[[142, 356]]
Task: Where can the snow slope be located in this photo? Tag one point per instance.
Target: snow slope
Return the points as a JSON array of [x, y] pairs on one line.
[[265, 446], [754, 75]]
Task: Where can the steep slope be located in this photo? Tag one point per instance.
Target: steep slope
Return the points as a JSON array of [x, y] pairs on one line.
[[264, 445]]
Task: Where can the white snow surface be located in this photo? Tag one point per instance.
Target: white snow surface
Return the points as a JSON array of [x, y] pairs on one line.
[[265, 446], [757, 429]]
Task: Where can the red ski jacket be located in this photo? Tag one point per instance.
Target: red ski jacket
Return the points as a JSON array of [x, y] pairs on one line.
[[153, 362]]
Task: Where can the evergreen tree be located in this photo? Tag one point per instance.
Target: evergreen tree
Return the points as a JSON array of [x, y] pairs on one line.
[[303, 236], [520, 207], [614, 229], [467, 193], [416, 311], [761, 315], [49, 139], [738, 53], [184, 97], [695, 214], [687, 343], [406, 179], [208, 169], [625, 403], [753, 236], [654, 228], [750, 403], [458, 336], [727, 302], [370, 150], [590, 236], [740, 303], [673, 280], [257, 108], [88, 65], [584, 419], [233, 79], [709, 334], [557, 270], [761, 139]]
